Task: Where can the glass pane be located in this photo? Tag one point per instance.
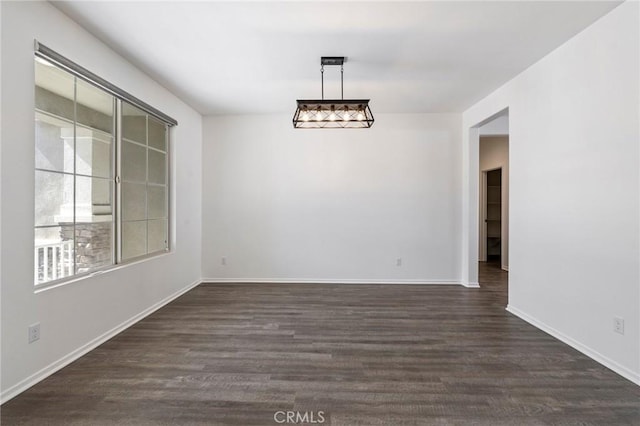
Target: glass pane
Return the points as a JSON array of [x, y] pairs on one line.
[[53, 198], [93, 200], [54, 253], [157, 134], [134, 124], [134, 162], [156, 202], [54, 90], [93, 152], [157, 230], [157, 167], [54, 143], [94, 107], [134, 239], [93, 246], [134, 201]]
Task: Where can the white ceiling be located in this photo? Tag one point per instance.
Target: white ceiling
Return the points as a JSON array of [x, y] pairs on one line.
[[258, 57]]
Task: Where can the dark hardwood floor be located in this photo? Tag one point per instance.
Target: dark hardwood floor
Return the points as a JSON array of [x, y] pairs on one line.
[[361, 354]]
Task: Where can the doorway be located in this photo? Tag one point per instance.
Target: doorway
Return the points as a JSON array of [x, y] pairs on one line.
[[476, 127], [493, 203]]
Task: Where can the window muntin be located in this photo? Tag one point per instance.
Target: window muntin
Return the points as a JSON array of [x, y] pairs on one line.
[[100, 199]]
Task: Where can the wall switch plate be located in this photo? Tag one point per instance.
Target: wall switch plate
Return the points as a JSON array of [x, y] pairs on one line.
[[34, 332], [399, 261], [618, 325], [223, 260]]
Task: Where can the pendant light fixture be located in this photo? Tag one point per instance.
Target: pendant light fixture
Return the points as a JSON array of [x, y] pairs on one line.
[[333, 113]]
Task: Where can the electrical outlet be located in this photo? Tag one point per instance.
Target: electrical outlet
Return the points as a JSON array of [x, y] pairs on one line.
[[618, 325], [34, 332], [399, 261], [223, 260]]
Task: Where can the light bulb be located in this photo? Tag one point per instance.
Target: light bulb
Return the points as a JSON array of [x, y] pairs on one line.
[[360, 116], [305, 116], [346, 116], [332, 116]]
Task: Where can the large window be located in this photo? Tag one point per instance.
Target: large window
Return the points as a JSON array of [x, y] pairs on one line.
[[101, 174]]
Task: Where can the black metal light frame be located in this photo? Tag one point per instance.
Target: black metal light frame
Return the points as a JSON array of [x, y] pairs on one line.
[[333, 113]]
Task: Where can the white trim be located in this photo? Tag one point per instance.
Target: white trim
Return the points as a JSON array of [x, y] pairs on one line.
[[325, 281], [473, 284], [38, 376], [505, 268], [591, 353], [493, 135]]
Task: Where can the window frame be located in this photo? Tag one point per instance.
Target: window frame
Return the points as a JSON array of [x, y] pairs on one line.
[[119, 97]]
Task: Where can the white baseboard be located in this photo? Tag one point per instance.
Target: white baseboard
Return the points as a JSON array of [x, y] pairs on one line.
[[505, 268], [591, 353], [325, 281], [474, 284], [84, 349]]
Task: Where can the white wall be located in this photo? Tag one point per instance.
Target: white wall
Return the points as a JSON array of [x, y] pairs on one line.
[[494, 154], [77, 315], [499, 126], [574, 199], [328, 205]]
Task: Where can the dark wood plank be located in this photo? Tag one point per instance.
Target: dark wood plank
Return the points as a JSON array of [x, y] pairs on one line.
[[362, 354]]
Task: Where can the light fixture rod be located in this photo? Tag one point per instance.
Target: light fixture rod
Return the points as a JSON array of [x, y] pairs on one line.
[[341, 82], [332, 60], [322, 78]]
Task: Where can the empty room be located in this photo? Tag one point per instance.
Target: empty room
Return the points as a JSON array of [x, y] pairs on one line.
[[320, 212]]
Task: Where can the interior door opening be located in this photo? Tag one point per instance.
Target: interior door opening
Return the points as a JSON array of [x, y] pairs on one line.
[[493, 208]]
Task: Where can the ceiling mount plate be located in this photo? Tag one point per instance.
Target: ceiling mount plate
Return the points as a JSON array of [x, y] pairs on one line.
[[332, 60]]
